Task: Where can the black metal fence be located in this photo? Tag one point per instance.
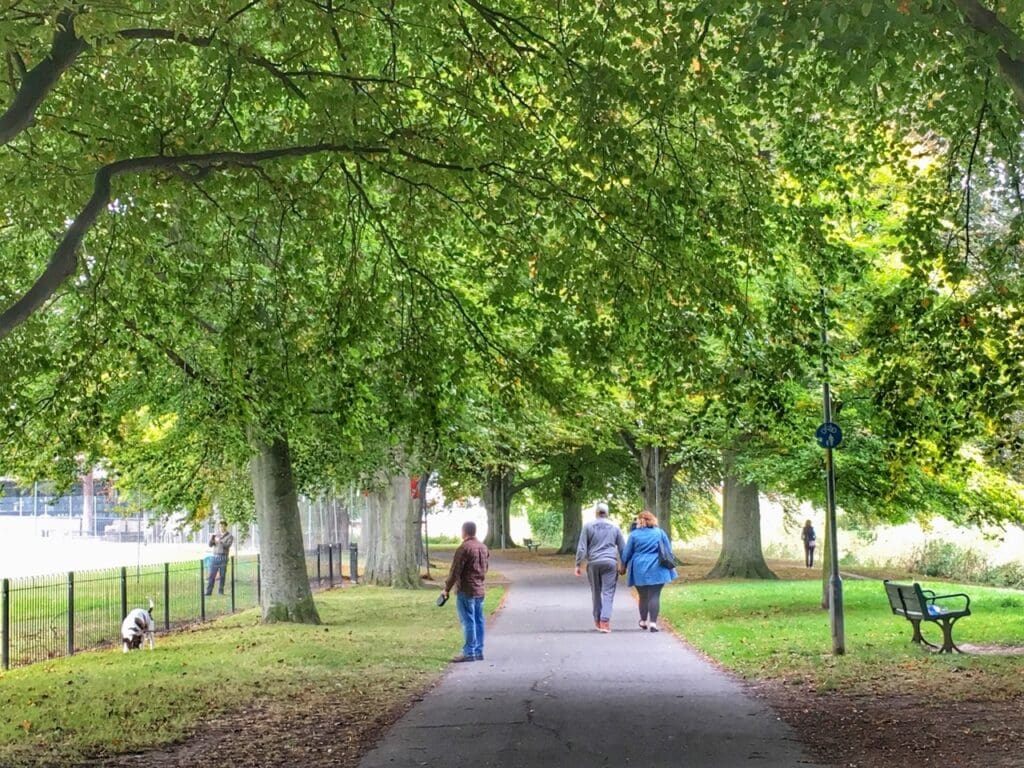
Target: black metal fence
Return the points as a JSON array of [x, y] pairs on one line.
[[44, 617]]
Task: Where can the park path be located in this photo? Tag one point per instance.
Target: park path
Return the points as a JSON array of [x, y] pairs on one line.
[[554, 692]]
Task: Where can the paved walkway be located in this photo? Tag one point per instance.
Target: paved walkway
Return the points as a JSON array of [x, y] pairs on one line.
[[554, 692]]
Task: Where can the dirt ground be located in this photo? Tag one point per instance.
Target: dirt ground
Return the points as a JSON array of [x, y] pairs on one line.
[[901, 732], [317, 731]]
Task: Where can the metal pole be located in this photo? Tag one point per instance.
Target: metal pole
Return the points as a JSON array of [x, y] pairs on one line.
[[835, 581], [5, 625], [259, 585], [501, 506], [124, 592], [353, 563], [330, 565], [202, 591], [657, 485], [426, 539], [71, 613], [167, 595]]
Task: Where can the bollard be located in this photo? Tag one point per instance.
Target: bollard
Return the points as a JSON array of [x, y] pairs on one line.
[[259, 585], [330, 565], [232, 583], [319, 577], [353, 563]]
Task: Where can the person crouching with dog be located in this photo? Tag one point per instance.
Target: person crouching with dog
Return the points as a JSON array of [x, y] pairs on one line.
[[221, 542]]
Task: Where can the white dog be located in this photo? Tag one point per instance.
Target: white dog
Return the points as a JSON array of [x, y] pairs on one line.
[[137, 626]]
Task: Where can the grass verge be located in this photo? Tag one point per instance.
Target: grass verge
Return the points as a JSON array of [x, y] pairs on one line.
[[777, 631], [380, 646]]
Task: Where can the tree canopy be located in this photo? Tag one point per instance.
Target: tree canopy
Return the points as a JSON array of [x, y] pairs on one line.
[[511, 243]]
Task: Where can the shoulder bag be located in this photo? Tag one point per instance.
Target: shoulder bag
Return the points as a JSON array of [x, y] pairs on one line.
[[665, 557]]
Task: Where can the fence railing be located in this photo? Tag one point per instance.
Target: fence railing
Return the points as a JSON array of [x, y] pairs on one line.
[[45, 617]]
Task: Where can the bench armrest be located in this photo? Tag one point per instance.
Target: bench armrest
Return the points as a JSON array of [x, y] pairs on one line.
[[967, 600]]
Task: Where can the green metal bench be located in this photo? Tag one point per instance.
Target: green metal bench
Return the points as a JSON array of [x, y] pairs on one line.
[[531, 545], [917, 605]]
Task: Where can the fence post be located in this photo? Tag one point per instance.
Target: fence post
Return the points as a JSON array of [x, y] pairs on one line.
[[202, 591], [233, 583], [124, 592], [5, 624], [330, 564], [353, 562], [319, 578], [259, 582], [71, 612], [167, 595]]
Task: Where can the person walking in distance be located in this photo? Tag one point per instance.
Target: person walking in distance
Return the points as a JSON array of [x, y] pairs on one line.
[[221, 542], [600, 545], [810, 539], [469, 567], [642, 563]]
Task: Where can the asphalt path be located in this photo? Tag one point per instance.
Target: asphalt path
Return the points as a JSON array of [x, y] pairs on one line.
[[552, 691]]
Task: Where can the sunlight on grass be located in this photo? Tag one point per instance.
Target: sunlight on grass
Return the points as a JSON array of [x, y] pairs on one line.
[[777, 630], [376, 643]]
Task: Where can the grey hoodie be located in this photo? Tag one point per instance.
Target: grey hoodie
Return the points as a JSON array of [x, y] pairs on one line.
[[600, 541]]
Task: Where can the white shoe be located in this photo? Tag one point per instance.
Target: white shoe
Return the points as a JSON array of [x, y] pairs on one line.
[[653, 627], [643, 624]]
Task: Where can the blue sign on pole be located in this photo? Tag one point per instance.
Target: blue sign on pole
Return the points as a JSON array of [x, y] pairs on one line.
[[828, 435]]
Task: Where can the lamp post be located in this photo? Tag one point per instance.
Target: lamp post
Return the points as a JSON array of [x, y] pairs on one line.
[[829, 436]]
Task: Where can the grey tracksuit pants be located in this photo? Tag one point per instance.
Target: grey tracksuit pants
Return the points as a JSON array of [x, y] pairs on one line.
[[603, 576]]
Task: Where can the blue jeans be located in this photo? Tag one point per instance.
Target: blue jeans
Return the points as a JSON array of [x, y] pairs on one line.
[[471, 614], [219, 564]]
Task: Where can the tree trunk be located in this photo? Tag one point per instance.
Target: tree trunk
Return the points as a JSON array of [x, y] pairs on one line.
[[572, 507], [498, 492], [659, 475], [390, 533], [286, 595], [741, 555]]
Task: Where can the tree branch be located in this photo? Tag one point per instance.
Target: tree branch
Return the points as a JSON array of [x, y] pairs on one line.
[[529, 482], [64, 261], [39, 80], [1010, 57], [970, 174], [630, 442]]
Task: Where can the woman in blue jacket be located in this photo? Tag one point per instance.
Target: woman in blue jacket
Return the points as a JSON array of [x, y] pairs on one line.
[[644, 569]]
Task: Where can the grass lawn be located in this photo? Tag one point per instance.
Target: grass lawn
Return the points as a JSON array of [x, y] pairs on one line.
[[379, 646], [777, 631]]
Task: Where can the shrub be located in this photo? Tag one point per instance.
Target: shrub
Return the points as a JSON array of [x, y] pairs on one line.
[[947, 560], [1006, 575], [545, 524]]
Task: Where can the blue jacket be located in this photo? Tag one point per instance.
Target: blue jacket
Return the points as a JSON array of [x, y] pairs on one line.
[[641, 558]]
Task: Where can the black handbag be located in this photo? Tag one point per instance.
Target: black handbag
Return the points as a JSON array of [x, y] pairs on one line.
[[665, 557]]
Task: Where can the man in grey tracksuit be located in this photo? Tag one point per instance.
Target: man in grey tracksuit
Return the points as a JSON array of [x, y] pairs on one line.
[[601, 545]]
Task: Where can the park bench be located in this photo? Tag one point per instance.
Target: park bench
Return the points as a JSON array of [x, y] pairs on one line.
[[917, 605], [531, 545]]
